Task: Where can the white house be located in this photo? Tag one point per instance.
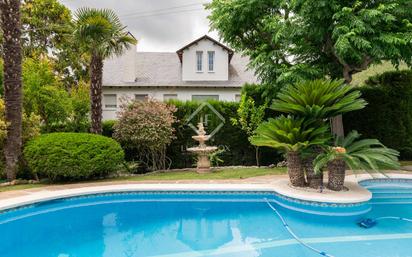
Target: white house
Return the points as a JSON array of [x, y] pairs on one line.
[[203, 69]]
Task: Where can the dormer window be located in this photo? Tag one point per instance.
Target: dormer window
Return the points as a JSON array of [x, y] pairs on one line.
[[199, 61], [211, 60]]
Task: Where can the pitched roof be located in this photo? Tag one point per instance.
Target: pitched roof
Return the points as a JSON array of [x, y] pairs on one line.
[[180, 51], [154, 69]]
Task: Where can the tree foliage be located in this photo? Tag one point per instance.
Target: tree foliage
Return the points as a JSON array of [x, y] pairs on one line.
[[290, 40], [46, 25], [47, 31], [43, 93], [30, 129], [250, 116], [80, 101]]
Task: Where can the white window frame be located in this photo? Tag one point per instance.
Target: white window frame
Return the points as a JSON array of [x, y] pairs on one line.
[[199, 61], [140, 96], [211, 61], [167, 97], [205, 97], [108, 96]]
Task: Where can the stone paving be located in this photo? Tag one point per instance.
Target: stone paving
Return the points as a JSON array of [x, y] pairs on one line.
[[261, 180], [254, 180]]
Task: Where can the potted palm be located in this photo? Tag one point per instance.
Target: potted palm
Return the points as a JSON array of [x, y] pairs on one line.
[[291, 135], [365, 154], [317, 100]]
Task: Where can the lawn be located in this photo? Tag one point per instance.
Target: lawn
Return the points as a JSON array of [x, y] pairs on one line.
[[228, 173], [406, 163], [361, 77]]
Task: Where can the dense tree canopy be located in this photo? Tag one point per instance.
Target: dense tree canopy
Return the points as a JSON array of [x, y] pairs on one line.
[[288, 40], [43, 92], [46, 25], [47, 30]]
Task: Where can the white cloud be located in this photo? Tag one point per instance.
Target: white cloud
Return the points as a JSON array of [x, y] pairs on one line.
[[159, 25]]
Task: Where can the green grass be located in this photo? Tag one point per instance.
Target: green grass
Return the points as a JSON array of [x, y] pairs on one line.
[[361, 77], [21, 187], [406, 163], [229, 173], [240, 173]]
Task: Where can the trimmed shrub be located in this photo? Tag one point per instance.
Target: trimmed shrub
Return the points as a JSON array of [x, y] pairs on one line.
[[108, 128], [73, 156], [388, 115]]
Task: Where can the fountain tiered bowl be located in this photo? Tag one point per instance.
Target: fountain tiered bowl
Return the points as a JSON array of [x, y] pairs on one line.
[[202, 151]]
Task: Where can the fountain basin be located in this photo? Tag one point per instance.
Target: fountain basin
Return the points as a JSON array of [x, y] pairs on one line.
[[205, 149], [203, 162]]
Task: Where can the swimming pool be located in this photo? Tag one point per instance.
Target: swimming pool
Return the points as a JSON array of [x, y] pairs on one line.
[[182, 224]]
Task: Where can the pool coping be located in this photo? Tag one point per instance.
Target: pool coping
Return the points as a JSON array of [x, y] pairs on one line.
[[356, 194]]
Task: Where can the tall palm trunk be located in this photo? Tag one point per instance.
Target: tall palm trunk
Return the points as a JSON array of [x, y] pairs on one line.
[[337, 122], [337, 126], [336, 175], [96, 77], [295, 170], [10, 16], [257, 156]]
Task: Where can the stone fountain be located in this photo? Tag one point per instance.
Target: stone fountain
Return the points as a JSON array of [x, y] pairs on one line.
[[202, 151]]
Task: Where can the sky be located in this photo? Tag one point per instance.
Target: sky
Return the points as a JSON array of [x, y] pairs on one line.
[[159, 25]]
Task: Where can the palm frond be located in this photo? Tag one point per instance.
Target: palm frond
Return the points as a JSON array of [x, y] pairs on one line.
[[318, 99], [289, 134], [364, 154], [100, 31]]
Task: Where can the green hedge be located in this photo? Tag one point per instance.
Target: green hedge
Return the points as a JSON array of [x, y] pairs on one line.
[[388, 115], [83, 127], [73, 156], [240, 151]]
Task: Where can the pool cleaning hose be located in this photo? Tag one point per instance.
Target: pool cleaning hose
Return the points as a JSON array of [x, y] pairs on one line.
[[368, 223], [293, 234]]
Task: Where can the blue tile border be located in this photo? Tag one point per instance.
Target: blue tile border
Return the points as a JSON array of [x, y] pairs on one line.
[[191, 192]]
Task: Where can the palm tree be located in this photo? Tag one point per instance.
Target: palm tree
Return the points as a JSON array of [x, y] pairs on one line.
[[319, 100], [101, 35], [12, 55], [365, 154], [291, 136]]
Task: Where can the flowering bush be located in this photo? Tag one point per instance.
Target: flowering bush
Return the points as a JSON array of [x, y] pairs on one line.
[[146, 126]]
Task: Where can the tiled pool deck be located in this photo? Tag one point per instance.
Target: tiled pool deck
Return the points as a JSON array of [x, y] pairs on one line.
[[278, 183]]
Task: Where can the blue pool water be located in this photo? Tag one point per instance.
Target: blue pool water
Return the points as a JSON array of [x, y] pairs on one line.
[[208, 224]]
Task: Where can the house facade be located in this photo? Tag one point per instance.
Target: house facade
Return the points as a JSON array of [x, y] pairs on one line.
[[204, 69]]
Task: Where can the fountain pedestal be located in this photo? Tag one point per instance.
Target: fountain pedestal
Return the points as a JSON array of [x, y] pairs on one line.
[[202, 151], [203, 163]]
